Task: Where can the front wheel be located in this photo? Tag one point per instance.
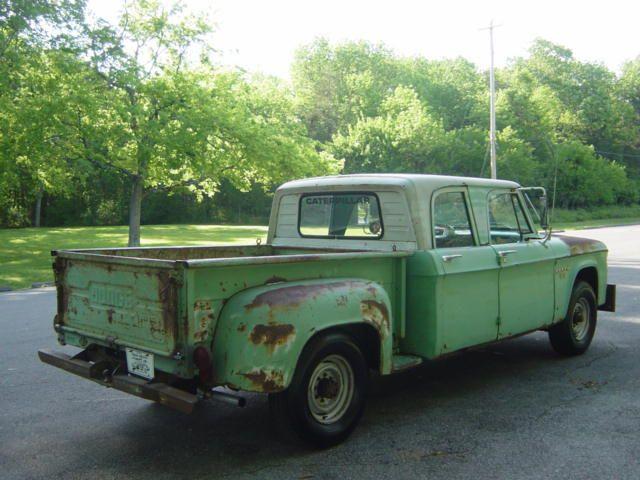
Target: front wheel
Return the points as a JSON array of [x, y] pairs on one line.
[[326, 397], [574, 334]]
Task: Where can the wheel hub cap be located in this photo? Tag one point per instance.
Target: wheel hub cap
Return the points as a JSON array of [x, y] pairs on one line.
[[580, 319], [331, 388]]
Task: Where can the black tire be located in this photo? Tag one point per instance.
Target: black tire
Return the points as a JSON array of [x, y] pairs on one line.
[[335, 360], [574, 334]]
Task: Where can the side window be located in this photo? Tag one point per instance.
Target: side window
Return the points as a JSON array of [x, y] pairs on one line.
[[507, 221], [451, 224]]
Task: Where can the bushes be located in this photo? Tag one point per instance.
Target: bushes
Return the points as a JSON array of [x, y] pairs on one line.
[[622, 212], [586, 179]]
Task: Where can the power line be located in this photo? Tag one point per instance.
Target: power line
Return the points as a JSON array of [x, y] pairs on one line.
[[617, 154]]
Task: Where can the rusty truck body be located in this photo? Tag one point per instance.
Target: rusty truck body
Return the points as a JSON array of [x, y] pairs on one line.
[[358, 272]]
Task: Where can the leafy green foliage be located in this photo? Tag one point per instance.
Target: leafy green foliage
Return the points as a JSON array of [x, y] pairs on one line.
[[555, 116], [403, 138], [143, 102], [29, 30], [134, 121], [585, 178], [336, 86]]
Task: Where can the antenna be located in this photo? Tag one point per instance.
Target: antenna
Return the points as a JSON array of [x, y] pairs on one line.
[[552, 150], [492, 104], [553, 199]]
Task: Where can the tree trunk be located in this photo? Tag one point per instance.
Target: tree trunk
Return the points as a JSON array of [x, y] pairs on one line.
[[37, 214], [135, 207]]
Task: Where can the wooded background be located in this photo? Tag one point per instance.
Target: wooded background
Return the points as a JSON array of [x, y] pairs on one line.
[[106, 124]]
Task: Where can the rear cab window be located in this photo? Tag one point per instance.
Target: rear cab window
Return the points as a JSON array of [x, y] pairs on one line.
[[452, 220], [507, 220], [338, 215]]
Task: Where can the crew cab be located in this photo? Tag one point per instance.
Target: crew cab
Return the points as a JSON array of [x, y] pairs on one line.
[[358, 273]]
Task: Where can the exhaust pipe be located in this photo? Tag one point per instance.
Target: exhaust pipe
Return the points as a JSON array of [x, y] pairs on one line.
[[228, 398]]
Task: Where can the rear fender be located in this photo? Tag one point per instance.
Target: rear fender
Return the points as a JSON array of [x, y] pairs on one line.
[[262, 331]]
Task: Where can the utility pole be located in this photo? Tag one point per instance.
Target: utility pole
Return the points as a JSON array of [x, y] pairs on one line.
[[492, 104]]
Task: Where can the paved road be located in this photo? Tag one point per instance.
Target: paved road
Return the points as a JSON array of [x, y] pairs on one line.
[[515, 410]]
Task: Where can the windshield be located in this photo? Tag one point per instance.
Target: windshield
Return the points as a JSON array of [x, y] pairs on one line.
[[340, 215]]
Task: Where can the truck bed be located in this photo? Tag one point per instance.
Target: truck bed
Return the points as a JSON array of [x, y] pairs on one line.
[[209, 252], [165, 300]]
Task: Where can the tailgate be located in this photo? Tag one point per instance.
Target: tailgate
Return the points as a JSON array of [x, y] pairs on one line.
[[121, 304]]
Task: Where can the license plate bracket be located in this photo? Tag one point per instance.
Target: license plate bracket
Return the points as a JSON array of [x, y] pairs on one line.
[[140, 363]]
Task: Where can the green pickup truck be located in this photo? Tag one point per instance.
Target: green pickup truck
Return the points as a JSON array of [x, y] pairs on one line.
[[358, 273]]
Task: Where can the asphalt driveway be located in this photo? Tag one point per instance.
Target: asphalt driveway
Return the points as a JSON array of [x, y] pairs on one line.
[[513, 410]]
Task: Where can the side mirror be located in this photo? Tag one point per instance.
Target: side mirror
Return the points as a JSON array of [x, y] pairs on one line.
[[536, 200]]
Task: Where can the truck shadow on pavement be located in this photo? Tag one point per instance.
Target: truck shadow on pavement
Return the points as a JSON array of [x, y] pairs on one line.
[[431, 401]]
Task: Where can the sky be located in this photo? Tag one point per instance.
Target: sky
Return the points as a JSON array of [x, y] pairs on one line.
[[262, 36]]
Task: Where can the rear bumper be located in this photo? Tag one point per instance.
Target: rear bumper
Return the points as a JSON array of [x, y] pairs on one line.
[[100, 373], [609, 304]]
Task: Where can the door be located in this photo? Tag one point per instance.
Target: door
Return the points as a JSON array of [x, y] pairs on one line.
[[526, 266], [467, 290]]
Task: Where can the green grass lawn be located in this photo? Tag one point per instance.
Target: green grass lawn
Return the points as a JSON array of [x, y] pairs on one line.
[[595, 223], [596, 216], [25, 254]]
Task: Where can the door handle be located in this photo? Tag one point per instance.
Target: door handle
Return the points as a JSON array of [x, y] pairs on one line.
[[448, 258], [502, 256]]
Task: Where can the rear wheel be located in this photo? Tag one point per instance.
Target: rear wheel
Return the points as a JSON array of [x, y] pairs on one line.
[[574, 334], [326, 397]]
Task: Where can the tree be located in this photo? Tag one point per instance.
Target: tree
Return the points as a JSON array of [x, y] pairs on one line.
[[628, 90], [582, 94], [29, 32], [145, 108], [404, 138], [516, 160], [335, 86], [452, 90], [91, 113], [584, 178]]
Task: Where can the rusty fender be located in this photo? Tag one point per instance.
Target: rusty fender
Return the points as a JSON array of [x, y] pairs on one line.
[[261, 331], [581, 245], [574, 255]]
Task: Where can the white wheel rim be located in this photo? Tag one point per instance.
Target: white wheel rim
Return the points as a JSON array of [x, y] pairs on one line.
[[580, 319], [331, 389]]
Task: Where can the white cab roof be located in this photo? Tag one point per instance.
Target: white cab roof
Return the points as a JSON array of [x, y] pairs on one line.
[[430, 182]]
